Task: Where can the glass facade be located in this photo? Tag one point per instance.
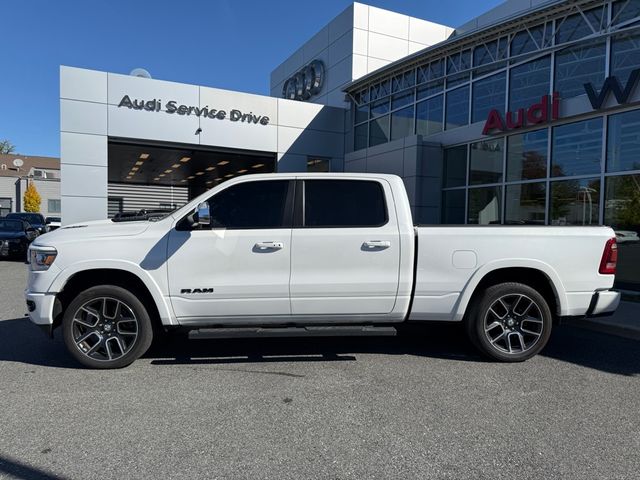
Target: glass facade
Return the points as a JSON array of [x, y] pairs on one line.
[[580, 170]]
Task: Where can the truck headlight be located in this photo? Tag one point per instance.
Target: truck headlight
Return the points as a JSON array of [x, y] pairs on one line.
[[41, 258]]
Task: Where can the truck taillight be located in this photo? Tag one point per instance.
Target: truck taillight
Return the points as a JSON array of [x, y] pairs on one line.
[[609, 258]]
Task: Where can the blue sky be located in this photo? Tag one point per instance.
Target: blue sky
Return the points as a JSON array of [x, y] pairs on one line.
[[232, 44]]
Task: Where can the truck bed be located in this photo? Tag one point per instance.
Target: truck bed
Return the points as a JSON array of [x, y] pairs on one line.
[[452, 260]]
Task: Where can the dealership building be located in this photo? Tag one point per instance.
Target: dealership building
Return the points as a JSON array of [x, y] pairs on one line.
[[528, 114]]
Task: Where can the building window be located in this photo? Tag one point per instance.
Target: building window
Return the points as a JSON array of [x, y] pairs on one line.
[[623, 142], [379, 131], [380, 107], [488, 94], [430, 88], [580, 25], [401, 99], [53, 205], [453, 206], [402, 123], [578, 65], [625, 55], [485, 205], [455, 166], [530, 40], [528, 83], [485, 162], [575, 202], [429, 116], [624, 10], [362, 113], [525, 203], [577, 148], [5, 206], [527, 155], [489, 54], [622, 212], [360, 136], [457, 107], [318, 164]]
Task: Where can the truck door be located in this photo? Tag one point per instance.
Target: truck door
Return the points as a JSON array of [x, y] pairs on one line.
[[345, 253], [238, 262]]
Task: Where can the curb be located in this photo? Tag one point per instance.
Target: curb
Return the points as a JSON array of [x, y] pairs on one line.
[[632, 333]]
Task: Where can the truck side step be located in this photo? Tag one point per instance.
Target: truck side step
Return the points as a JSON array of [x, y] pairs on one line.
[[310, 331]]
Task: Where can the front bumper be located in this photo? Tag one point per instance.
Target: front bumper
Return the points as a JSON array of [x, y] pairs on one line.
[[40, 307]]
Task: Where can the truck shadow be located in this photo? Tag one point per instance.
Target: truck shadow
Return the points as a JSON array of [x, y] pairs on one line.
[[22, 342]]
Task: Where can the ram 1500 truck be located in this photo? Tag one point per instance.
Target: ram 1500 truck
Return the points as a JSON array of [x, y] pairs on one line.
[[311, 254]]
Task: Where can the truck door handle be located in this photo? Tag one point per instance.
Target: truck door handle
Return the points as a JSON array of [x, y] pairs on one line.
[[269, 245], [377, 244]]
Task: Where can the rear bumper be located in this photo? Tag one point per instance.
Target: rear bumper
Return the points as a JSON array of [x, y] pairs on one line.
[[604, 303]]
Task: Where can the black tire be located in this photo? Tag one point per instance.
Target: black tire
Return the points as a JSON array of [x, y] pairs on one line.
[[521, 333], [129, 322]]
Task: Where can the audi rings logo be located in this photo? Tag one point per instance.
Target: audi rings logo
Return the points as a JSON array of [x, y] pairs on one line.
[[306, 83]]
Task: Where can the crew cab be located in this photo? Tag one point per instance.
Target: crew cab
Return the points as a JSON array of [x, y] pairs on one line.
[[311, 254]]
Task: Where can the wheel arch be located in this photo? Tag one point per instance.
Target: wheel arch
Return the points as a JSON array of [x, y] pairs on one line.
[[74, 280], [537, 275]]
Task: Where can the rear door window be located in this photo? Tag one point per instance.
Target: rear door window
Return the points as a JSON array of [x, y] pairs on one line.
[[344, 203]]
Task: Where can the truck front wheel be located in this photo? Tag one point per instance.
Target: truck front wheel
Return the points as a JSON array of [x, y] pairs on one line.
[[106, 327], [510, 322]]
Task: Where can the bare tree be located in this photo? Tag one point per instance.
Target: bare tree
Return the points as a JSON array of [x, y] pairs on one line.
[[7, 147]]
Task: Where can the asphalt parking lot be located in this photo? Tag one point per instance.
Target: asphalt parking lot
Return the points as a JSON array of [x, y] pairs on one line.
[[422, 405]]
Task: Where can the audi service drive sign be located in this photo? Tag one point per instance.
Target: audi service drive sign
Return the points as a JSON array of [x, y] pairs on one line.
[[306, 83], [155, 105]]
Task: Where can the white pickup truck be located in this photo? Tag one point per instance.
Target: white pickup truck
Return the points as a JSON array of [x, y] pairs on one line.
[[311, 254]]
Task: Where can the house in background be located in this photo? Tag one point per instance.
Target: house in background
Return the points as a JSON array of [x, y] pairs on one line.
[[15, 173]]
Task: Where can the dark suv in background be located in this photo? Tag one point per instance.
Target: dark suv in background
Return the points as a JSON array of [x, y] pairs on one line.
[[36, 220], [15, 237]]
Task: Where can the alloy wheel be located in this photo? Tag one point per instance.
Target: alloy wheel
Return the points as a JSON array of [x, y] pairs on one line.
[[104, 328], [513, 323]]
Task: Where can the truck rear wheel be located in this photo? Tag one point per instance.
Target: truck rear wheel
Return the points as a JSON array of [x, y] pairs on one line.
[[510, 322], [106, 327]]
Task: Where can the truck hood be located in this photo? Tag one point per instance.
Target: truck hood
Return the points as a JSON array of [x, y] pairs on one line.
[[11, 235], [93, 229]]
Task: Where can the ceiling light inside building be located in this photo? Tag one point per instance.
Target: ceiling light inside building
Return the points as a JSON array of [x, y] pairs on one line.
[[185, 159], [161, 175], [244, 170], [144, 156], [139, 162], [168, 171], [199, 173], [134, 169], [208, 169], [157, 178], [191, 177], [223, 162], [129, 177], [183, 180], [258, 165], [175, 165], [229, 175]]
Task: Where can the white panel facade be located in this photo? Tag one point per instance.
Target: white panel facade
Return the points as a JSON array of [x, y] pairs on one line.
[[358, 41], [249, 122]]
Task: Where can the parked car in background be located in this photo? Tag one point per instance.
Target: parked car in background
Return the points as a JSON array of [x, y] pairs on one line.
[[15, 237], [36, 220], [627, 236], [53, 222]]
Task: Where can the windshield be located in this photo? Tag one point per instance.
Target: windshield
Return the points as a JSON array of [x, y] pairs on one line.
[[32, 218], [10, 226]]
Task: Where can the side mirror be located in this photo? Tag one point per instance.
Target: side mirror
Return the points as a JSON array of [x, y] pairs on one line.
[[199, 218], [204, 216]]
